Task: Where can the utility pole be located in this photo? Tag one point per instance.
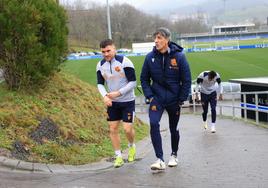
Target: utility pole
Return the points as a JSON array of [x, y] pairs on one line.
[[109, 21], [224, 6]]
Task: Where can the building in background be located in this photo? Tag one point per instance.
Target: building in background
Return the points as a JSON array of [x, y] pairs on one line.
[[226, 29]]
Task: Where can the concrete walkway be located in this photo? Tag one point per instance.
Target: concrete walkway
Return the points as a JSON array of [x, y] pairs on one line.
[[236, 156]]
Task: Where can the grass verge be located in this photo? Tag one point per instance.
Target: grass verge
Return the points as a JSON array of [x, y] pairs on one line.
[[64, 123]]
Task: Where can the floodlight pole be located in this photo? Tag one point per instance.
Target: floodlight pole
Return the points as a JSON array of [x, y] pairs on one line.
[[224, 6], [109, 21]]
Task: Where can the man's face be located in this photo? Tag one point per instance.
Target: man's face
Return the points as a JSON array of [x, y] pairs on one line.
[[108, 52], [161, 43]]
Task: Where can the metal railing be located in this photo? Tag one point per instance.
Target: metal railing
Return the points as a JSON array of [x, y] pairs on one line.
[[233, 104]]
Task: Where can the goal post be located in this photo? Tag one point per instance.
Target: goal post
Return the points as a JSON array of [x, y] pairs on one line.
[[227, 45], [201, 47], [265, 43]]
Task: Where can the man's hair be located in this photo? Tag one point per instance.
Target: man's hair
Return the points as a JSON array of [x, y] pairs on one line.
[[212, 74], [106, 42], [163, 31]]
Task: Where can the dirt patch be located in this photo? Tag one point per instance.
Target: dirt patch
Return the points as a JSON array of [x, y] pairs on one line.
[[47, 130], [20, 151]]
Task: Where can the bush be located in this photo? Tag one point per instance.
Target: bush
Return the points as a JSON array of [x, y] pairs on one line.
[[33, 41]]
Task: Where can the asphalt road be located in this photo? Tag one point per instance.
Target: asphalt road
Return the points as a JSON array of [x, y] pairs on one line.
[[236, 156]]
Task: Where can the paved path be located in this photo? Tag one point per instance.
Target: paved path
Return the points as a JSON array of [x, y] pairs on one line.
[[236, 156]]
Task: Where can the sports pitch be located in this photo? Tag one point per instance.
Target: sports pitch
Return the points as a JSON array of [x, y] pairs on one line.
[[230, 64]]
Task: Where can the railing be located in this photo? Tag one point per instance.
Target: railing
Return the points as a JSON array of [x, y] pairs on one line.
[[233, 104]]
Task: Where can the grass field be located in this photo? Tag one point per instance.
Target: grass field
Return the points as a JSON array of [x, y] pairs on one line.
[[230, 64]]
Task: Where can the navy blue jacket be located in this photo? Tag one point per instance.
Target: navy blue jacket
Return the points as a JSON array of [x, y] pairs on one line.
[[166, 77]]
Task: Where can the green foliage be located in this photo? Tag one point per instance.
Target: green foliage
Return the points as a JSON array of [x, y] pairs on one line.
[[33, 41]]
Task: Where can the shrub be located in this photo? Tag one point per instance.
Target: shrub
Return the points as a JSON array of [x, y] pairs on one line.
[[33, 41]]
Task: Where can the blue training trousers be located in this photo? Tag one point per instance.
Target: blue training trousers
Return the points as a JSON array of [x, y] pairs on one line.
[[155, 113]]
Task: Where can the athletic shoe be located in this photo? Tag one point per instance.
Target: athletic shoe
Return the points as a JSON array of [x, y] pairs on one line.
[[158, 165], [173, 161], [205, 125], [131, 154], [118, 162], [213, 129]]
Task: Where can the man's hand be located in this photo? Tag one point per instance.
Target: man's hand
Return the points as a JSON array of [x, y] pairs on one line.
[[197, 97], [220, 97], [107, 101], [148, 100], [113, 94]]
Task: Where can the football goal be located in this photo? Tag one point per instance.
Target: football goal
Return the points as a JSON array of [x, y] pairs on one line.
[[202, 47], [265, 44], [227, 45]]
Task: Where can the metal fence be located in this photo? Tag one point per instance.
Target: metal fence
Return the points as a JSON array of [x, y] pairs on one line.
[[232, 107], [235, 104]]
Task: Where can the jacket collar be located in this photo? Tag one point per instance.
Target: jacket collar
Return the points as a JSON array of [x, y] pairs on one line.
[[172, 49]]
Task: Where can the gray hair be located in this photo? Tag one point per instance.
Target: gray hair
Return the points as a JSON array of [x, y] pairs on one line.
[[163, 31]]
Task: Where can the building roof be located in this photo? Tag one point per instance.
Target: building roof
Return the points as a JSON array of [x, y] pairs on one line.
[[232, 26], [259, 81]]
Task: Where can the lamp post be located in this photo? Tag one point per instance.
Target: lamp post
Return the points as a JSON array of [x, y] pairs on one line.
[[109, 21]]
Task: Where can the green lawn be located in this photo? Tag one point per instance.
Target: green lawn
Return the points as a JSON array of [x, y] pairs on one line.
[[230, 64]]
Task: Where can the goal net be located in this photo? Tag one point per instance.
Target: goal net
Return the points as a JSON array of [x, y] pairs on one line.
[[227, 45], [265, 44], [203, 47]]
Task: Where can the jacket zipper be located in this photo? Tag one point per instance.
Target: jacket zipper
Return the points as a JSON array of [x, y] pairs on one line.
[[111, 67], [163, 64], [163, 67]]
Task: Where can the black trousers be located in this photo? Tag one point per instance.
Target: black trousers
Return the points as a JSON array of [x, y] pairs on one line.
[[212, 100]]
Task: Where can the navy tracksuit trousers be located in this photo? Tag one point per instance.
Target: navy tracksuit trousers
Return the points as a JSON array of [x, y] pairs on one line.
[[155, 113], [212, 99]]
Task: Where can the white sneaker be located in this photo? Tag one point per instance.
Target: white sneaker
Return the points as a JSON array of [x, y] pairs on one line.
[[205, 125], [213, 129], [158, 165], [173, 161]]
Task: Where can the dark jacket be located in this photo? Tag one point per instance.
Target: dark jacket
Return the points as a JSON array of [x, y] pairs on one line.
[[166, 77]]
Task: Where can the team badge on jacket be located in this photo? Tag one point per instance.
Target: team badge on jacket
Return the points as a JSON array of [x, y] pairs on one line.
[[174, 64], [117, 69], [153, 108]]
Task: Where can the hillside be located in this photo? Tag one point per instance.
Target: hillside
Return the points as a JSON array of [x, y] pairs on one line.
[[62, 123], [227, 11]]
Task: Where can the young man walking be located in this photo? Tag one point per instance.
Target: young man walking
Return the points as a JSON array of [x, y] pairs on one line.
[[118, 73], [209, 82]]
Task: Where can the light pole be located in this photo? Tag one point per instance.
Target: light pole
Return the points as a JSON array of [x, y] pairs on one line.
[[109, 21]]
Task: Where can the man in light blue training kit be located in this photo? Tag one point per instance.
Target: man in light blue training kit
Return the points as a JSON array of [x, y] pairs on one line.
[[119, 75], [210, 82], [166, 82]]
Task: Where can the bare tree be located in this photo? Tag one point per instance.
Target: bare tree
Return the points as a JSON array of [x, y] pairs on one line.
[[88, 26]]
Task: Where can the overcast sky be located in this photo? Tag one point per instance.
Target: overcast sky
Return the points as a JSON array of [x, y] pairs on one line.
[[146, 5], [156, 4]]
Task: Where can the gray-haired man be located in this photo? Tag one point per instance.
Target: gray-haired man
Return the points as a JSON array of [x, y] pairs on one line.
[[166, 82]]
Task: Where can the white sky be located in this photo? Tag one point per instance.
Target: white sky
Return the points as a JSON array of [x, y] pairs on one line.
[[145, 5]]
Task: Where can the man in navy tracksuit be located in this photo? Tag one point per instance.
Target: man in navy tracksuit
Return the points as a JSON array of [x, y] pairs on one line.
[[166, 83]]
